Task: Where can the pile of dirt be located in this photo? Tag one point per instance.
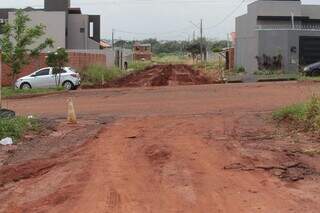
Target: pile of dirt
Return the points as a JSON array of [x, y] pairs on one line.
[[163, 75]]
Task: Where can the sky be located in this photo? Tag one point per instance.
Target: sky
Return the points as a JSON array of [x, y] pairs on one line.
[[160, 19]]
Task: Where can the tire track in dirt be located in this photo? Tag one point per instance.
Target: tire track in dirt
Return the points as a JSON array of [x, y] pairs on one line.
[[144, 165]]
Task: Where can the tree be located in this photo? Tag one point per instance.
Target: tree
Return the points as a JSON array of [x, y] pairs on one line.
[[57, 60], [17, 43], [194, 49]]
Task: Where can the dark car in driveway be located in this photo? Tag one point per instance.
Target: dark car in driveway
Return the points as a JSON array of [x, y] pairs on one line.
[[312, 69]]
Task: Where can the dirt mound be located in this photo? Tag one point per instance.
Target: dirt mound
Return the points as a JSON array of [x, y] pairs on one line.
[[163, 75], [24, 171]]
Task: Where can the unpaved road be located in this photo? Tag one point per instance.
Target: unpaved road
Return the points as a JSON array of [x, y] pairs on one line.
[[173, 150]]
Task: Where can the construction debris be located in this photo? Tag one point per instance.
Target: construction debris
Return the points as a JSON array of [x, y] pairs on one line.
[[6, 141]]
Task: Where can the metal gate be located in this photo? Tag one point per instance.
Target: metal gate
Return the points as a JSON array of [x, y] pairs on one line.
[[309, 49]]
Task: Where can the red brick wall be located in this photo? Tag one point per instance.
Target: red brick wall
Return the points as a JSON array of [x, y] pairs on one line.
[[76, 60]]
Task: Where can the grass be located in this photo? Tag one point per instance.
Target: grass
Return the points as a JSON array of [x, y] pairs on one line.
[[308, 78], [209, 66], [139, 65], [170, 59], [16, 127], [295, 113], [99, 74], [305, 115], [8, 92], [274, 77]]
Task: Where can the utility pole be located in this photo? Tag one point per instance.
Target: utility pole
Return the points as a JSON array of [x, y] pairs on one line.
[[113, 39], [201, 37], [194, 36], [201, 40]]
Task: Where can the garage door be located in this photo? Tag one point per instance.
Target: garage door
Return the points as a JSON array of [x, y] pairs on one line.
[[309, 50]]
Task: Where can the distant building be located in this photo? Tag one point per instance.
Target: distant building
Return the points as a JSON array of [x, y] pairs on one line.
[[67, 26], [142, 51], [273, 28], [105, 44]]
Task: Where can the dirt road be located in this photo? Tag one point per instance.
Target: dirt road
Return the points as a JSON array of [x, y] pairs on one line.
[[181, 100], [181, 149]]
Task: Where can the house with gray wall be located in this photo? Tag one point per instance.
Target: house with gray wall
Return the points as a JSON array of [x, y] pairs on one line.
[[278, 27], [67, 26]]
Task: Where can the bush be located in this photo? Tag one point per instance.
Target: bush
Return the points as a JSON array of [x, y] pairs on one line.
[[313, 113], [98, 74], [15, 127], [217, 50], [306, 115], [293, 113], [240, 69]]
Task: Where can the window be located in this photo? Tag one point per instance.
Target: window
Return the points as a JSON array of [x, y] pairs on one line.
[[91, 30], [82, 30], [43, 72], [57, 71]]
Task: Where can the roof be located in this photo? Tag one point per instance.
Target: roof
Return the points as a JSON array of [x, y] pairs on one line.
[[104, 43]]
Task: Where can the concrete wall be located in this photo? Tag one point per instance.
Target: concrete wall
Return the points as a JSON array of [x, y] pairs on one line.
[[246, 40], [95, 19], [92, 44], [78, 33], [276, 8], [77, 39], [311, 10], [274, 42], [55, 23], [251, 43], [56, 5]]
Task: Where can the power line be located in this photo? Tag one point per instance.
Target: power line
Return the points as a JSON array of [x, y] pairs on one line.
[[180, 31], [227, 16]]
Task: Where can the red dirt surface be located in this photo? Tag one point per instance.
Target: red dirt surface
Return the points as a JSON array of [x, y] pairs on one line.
[[209, 148], [163, 75]]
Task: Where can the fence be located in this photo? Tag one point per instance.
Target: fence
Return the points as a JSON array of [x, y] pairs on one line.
[[297, 27], [77, 59]]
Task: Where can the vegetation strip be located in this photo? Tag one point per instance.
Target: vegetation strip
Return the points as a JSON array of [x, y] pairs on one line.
[[304, 115], [9, 93], [16, 127]]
